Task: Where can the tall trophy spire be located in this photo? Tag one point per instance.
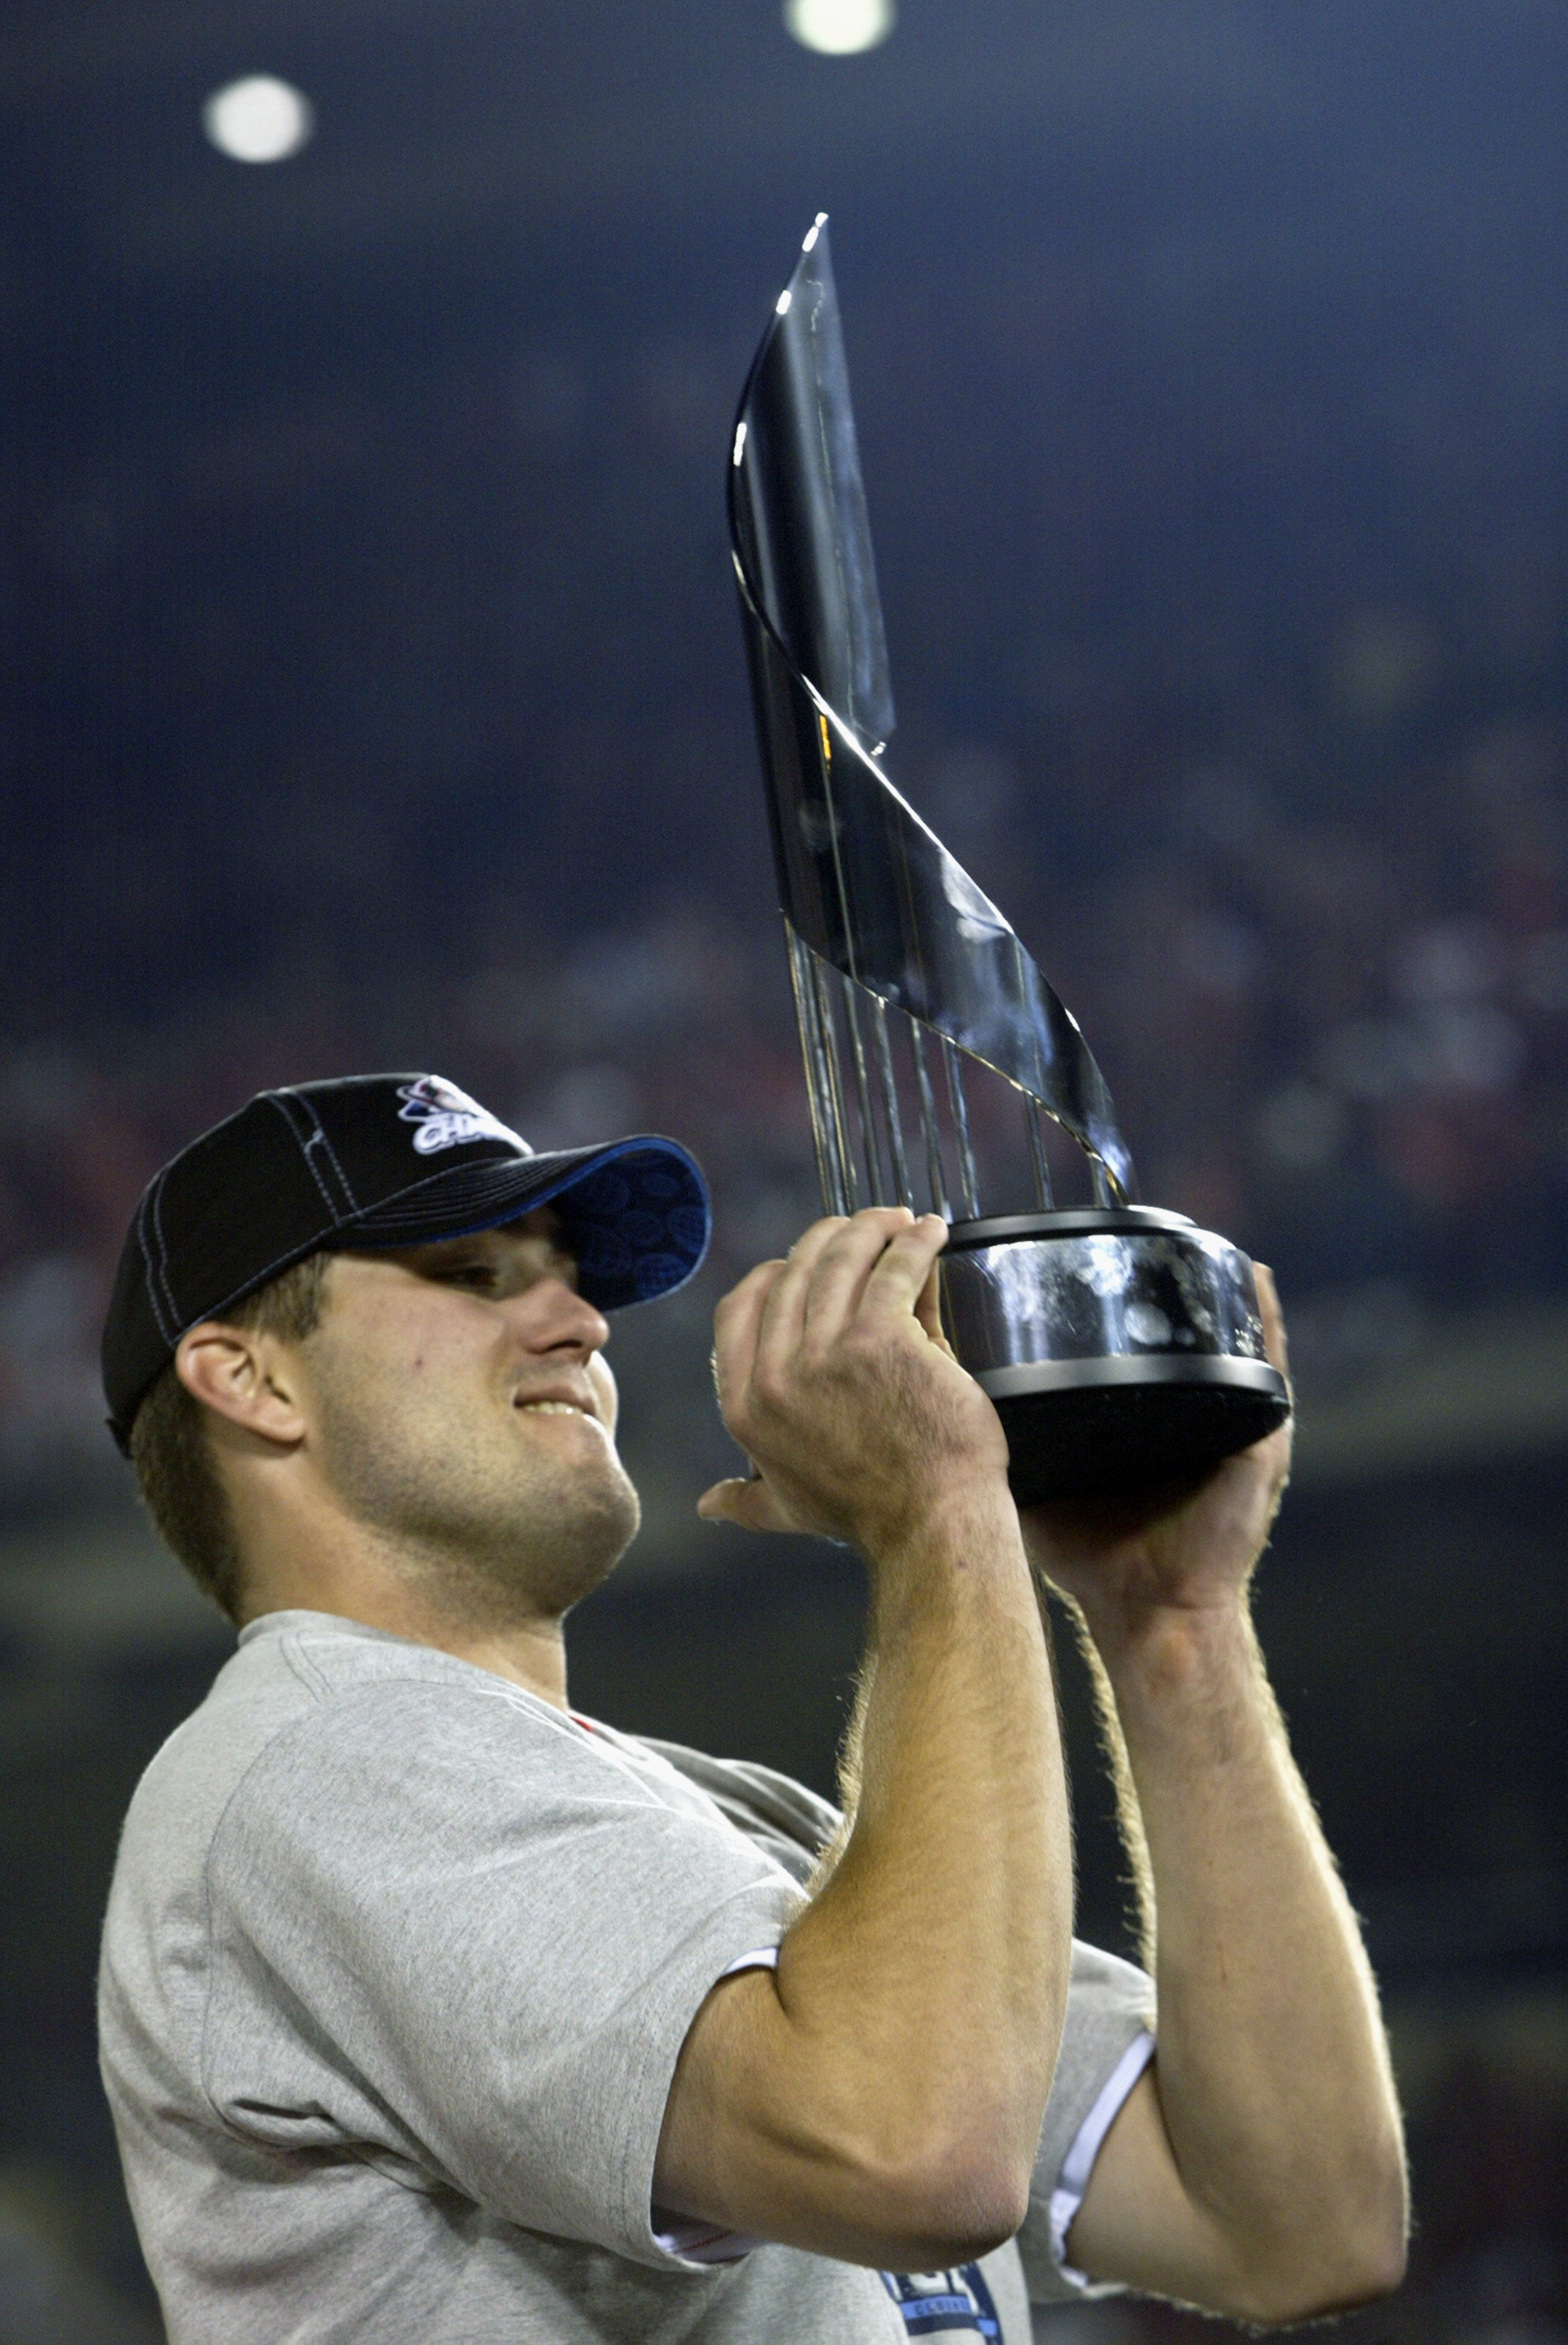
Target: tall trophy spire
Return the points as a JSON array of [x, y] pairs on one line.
[[887, 931], [864, 885]]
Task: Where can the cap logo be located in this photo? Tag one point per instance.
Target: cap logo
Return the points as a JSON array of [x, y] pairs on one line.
[[443, 1116]]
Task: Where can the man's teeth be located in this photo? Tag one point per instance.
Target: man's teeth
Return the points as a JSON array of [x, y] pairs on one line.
[[553, 1407]]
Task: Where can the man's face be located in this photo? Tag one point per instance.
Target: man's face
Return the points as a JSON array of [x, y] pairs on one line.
[[460, 1406]]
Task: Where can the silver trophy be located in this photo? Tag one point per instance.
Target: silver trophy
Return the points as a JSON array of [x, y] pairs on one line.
[[1120, 1343]]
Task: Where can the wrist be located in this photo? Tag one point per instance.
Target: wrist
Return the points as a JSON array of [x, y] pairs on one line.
[[1171, 1650], [969, 1527]]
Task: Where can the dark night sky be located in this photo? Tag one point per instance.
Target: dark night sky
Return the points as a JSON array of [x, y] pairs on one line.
[[361, 530]]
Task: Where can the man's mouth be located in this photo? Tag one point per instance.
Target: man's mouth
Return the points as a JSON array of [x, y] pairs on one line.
[[558, 1403]]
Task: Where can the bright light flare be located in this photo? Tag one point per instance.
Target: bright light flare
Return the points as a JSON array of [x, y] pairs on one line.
[[258, 120], [840, 28]]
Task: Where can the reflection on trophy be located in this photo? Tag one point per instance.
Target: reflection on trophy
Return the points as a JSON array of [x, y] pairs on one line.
[[1120, 1343]]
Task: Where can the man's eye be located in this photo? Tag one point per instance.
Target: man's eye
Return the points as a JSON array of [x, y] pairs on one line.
[[480, 1276]]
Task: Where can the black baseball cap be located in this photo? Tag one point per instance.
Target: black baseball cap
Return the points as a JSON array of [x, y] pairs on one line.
[[372, 1160]]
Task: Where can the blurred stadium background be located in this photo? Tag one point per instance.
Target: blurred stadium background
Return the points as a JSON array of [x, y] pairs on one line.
[[372, 695]]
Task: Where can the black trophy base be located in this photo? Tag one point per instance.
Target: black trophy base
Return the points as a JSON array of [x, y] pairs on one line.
[[1121, 1345], [1100, 1441]]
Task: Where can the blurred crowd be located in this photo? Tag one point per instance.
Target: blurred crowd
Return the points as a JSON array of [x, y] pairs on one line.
[[1335, 1022]]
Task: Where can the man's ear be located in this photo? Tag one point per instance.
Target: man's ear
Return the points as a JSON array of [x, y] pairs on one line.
[[241, 1374]]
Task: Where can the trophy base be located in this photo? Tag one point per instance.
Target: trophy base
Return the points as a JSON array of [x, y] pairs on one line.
[[1121, 1345], [1095, 1440]]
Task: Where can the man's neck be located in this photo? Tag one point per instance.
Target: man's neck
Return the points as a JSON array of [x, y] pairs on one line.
[[532, 1656], [529, 1651], [307, 1552]]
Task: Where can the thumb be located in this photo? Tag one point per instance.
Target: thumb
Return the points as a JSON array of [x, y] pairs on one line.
[[750, 1503]]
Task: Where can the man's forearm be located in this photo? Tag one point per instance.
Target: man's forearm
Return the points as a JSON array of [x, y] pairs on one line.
[[957, 1867], [1273, 2074], [880, 2096]]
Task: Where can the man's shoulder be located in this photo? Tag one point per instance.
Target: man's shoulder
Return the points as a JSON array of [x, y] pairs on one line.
[[792, 1823], [323, 1698]]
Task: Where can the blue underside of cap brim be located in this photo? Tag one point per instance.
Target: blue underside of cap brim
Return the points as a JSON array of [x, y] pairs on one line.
[[635, 1213]]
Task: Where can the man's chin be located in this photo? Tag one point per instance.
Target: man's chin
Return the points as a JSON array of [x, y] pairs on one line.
[[568, 1542], [517, 1527]]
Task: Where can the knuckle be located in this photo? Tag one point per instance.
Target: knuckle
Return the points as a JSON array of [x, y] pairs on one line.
[[739, 1405]]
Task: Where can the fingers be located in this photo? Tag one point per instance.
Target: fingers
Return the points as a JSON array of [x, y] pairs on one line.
[[878, 1270], [824, 1281], [844, 1265], [918, 1261], [882, 1257], [833, 1376], [903, 1270], [736, 1325], [783, 1320], [928, 1308], [760, 1325]]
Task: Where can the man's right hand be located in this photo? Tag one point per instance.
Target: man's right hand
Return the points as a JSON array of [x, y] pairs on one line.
[[835, 1378]]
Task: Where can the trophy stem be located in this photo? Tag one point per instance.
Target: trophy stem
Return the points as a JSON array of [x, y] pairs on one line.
[[818, 1087], [934, 1172], [968, 1194], [1042, 1171], [842, 1158], [883, 1055], [863, 1094], [1104, 1194]]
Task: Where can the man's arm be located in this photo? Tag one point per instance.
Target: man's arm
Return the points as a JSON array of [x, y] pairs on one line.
[[1258, 2167], [879, 2097]]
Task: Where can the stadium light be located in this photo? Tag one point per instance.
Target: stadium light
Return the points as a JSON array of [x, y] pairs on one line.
[[839, 28], [258, 120]]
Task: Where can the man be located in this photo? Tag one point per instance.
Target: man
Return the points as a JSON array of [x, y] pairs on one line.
[[431, 2011]]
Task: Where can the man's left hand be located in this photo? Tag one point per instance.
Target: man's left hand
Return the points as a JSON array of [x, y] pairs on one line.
[[1185, 1548]]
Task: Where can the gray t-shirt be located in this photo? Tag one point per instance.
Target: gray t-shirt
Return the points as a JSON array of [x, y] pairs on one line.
[[398, 1963]]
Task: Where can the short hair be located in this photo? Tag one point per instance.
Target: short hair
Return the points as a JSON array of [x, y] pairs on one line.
[[177, 1473]]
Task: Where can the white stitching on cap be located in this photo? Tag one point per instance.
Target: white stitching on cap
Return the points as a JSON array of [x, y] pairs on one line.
[[149, 1264], [155, 1200], [319, 1132], [337, 1167], [277, 1099], [171, 1335]]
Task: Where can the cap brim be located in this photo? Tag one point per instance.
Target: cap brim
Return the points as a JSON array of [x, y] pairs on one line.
[[635, 1213]]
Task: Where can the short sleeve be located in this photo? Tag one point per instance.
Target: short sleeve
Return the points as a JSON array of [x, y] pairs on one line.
[[454, 1934], [1109, 2020]]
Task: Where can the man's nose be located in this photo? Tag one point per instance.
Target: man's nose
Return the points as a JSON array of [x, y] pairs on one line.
[[558, 1318]]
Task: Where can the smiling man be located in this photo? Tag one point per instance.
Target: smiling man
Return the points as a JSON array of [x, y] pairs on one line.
[[431, 2011]]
